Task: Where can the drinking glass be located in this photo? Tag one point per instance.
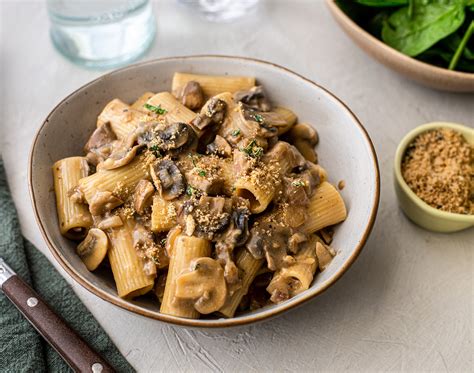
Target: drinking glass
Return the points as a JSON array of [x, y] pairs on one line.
[[101, 33], [221, 10]]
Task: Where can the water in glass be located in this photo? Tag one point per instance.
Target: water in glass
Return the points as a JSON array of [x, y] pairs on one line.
[[101, 33], [221, 10]]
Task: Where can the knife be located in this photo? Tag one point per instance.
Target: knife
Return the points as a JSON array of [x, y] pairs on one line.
[[72, 348]]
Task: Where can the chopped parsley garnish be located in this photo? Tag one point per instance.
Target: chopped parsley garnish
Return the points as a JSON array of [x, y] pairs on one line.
[[190, 190], [258, 118], [253, 150], [163, 242], [201, 172], [155, 109], [156, 150], [298, 183], [236, 132]]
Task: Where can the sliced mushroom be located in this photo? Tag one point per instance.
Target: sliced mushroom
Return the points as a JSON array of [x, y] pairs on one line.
[[324, 256], [191, 95], [295, 240], [143, 195], [305, 138], [255, 98], [93, 249], [286, 155], [296, 202], [211, 215], [174, 137], [119, 158], [109, 222], [260, 244], [311, 176], [204, 285], [168, 179], [102, 202], [240, 220], [100, 144], [213, 112], [219, 147]]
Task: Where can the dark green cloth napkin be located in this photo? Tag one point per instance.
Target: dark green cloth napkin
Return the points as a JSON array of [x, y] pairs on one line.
[[22, 349]]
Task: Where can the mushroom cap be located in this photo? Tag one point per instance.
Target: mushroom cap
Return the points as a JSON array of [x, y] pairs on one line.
[[303, 131], [176, 136], [93, 249], [168, 179], [191, 95], [219, 146], [205, 285], [102, 202], [213, 113], [254, 97]]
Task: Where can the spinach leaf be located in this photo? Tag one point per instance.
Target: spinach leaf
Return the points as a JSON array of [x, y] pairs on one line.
[[382, 3], [430, 22]]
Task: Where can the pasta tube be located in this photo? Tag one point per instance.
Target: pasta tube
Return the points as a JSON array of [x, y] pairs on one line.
[[74, 217], [163, 215], [186, 248], [259, 187], [213, 84], [175, 111], [120, 181], [297, 276], [141, 101], [249, 267], [122, 118], [326, 208], [127, 267]]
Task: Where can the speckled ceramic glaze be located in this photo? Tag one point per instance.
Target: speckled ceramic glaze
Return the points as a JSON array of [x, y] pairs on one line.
[[345, 150], [413, 206], [426, 74]]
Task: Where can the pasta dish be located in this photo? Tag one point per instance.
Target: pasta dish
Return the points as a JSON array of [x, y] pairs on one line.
[[208, 197]]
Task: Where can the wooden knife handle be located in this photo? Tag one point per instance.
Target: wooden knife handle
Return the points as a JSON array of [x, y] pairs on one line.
[[65, 341]]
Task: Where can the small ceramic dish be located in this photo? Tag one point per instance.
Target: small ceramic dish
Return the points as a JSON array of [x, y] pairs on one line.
[[413, 206], [345, 150], [426, 74]]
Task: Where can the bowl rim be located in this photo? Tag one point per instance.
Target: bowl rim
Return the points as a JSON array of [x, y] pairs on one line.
[[400, 152], [203, 323], [392, 51]]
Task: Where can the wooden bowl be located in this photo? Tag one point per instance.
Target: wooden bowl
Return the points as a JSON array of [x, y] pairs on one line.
[[426, 74], [345, 151]]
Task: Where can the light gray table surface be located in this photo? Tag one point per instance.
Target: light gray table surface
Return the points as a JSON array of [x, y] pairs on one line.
[[407, 302]]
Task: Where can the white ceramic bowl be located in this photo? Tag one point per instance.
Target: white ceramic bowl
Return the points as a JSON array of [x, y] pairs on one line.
[[345, 150]]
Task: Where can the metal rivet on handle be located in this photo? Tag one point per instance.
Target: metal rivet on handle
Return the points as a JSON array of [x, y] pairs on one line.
[[97, 367], [31, 302]]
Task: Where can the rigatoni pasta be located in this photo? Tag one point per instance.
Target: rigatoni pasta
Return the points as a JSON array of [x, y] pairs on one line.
[[213, 85], [127, 267], [74, 217], [209, 194]]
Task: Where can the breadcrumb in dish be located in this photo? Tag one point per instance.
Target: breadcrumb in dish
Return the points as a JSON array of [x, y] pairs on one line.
[[439, 167]]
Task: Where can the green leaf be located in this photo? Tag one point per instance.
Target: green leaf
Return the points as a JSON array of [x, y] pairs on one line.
[[155, 109], [431, 21], [382, 3]]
